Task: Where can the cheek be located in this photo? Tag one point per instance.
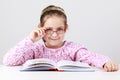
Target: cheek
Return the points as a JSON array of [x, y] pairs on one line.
[[46, 37], [62, 37]]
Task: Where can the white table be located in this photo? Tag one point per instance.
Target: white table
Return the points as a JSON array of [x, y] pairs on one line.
[[13, 73]]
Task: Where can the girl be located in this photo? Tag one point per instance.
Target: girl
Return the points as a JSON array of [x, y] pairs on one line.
[[52, 28]]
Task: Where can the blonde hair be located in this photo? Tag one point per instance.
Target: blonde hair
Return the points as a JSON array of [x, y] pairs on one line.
[[52, 10], [52, 7]]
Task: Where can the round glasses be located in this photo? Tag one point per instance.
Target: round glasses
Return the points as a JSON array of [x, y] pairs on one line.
[[58, 31]]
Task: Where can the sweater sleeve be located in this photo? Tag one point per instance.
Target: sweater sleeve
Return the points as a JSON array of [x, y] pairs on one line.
[[20, 53], [93, 59]]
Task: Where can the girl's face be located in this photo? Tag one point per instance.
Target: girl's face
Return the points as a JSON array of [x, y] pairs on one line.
[[55, 30]]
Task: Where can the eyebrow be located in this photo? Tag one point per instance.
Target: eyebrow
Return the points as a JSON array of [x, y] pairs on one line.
[[55, 28]]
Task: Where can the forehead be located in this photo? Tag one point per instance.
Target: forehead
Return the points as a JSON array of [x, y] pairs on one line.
[[54, 22]]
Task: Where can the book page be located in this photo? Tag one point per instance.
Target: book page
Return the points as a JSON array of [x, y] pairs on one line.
[[44, 64], [40, 64], [71, 64], [74, 66]]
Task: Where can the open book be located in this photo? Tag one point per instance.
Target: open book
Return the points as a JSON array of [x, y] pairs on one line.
[[49, 65]]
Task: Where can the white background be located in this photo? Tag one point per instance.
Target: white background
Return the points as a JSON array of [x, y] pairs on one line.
[[94, 23]]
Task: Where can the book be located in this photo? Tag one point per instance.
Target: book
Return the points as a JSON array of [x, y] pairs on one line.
[[44, 64]]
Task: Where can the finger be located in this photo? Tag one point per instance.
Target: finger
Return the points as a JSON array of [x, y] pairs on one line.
[[36, 33], [40, 32], [108, 67], [39, 25], [112, 66], [105, 68], [116, 67], [43, 31]]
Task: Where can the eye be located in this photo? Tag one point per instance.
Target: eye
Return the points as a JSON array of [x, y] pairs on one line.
[[60, 29], [48, 30]]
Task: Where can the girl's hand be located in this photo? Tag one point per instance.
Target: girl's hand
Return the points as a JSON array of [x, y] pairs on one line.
[[37, 34], [110, 66]]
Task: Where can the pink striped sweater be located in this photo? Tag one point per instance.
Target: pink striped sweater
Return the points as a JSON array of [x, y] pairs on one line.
[[26, 50]]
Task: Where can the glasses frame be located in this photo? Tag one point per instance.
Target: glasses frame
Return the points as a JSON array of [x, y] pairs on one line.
[[50, 31]]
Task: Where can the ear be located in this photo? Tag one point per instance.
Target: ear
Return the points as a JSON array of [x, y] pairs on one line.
[[66, 27]]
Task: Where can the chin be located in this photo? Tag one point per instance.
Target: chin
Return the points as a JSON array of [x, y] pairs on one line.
[[54, 44]]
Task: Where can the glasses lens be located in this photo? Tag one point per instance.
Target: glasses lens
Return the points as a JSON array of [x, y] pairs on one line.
[[48, 31], [58, 31]]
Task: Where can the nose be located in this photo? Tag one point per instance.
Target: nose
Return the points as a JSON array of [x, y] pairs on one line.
[[54, 34]]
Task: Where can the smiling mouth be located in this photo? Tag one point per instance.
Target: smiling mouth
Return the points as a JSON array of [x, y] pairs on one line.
[[54, 39]]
